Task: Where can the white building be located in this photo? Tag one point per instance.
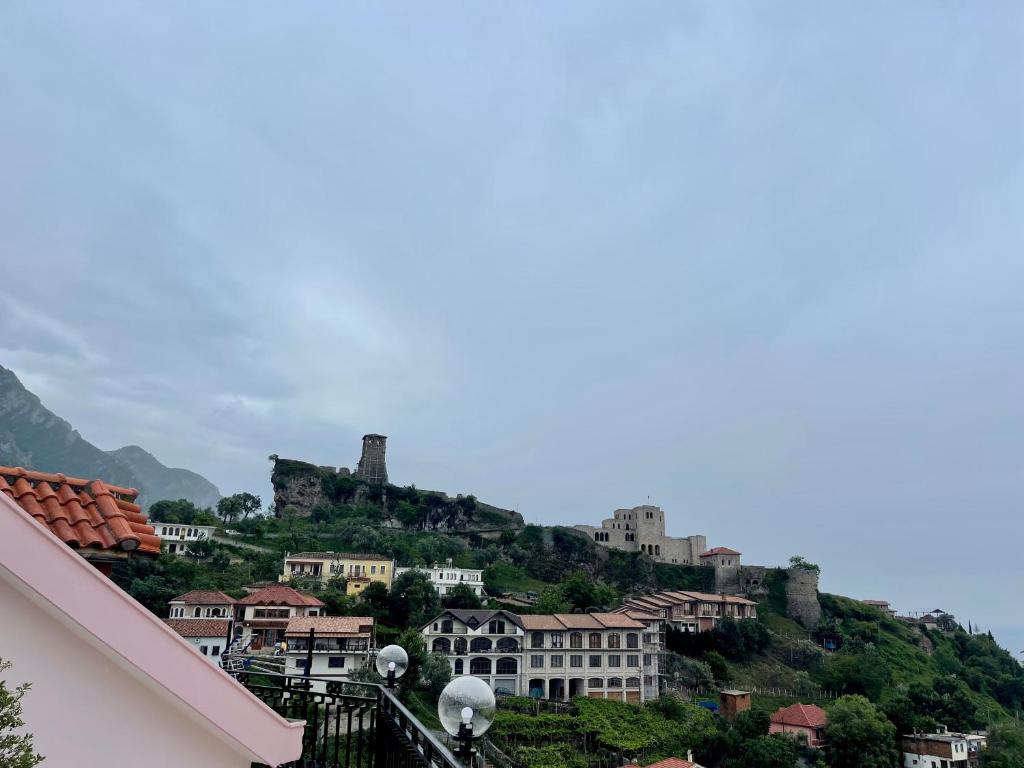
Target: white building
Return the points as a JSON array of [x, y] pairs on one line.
[[943, 749], [266, 612], [446, 577], [341, 645], [177, 536], [202, 604], [559, 656], [207, 636]]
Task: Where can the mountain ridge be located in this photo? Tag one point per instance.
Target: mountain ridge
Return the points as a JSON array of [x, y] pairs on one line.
[[34, 437]]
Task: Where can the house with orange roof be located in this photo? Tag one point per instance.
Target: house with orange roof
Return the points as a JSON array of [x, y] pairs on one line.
[[676, 762], [805, 722], [692, 611], [100, 521], [111, 682], [340, 646], [265, 613]]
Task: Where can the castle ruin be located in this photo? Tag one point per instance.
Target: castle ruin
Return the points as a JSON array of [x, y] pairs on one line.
[[642, 529], [372, 467]]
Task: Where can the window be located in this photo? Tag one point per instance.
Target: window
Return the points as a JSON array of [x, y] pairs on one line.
[[480, 667], [614, 639], [576, 660], [203, 649], [556, 661], [458, 666], [537, 640], [632, 682], [632, 640], [595, 640], [506, 667], [336, 662], [496, 627], [441, 645], [373, 569], [615, 660], [300, 663], [196, 612], [480, 645], [595, 682], [647, 659], [614, 682], [446, 626], [556, 639], [507, 645], [216, 651], [460, 645], [576, 640], [536, 661], [633, 660], [594, 661]]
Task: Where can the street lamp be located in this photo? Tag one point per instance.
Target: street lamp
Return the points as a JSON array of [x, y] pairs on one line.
[[392, 661], [466, 710]]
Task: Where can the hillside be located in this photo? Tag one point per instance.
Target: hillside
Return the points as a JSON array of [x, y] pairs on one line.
[[306, 490], [34, 437]]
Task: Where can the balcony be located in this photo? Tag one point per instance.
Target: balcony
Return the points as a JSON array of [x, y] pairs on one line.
[[351, 725]]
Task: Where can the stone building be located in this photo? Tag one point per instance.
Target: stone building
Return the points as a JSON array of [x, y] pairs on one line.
[[642, 529], [372, 467]]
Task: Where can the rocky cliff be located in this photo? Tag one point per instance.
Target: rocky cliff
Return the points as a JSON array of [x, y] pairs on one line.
[[34, 437]]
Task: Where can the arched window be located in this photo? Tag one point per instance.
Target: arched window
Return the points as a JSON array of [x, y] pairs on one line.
[[442, 645], [614, 682], [614, 640], [507, 645], [632, 640], [196, 612], [460, 645], [595, 682], [632, 682], [506, 667], [480, 645], [480, 667], [537, 640], [657, 549], [576, 640], [446, 626], [597, 536], [458, 666], [595, 640]]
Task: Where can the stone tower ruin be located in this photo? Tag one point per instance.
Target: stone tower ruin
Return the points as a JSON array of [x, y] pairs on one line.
[[372, 467]]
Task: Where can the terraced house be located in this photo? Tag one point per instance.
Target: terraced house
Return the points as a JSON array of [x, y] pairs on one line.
[[555, 656], [692, 611]]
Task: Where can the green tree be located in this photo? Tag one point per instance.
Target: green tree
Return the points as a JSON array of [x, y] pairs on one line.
[[376, 601], [461, 596], [1005, 746], [719, 669], [180, 511], [796, 561], [766, 752], [859, 735], [238, 506], [414, 601], [552, 600], [435, 673], [16, 749]]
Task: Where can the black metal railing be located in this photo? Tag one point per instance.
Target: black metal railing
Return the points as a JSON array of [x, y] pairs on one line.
[[350, 725]]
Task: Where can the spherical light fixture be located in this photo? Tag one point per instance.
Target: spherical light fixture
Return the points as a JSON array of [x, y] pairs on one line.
[[466, 710], [392, 661]]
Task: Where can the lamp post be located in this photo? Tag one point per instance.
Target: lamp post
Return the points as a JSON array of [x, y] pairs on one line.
[[466, 710], [392, 661]]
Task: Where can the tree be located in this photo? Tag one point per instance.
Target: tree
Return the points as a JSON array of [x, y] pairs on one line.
[[414, 601], [181, 511], [16, 749], [766, 752], [552, 600], [716, 663], [859, 735], [238, 506], [376, 601], [435, 673], [798, 562], [1005, 746], [461, 596]]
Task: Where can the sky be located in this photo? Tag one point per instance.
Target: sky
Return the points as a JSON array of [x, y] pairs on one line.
[[759, 264]]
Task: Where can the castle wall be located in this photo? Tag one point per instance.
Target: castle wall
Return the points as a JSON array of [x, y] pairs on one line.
[[642, 529], [802, 597]]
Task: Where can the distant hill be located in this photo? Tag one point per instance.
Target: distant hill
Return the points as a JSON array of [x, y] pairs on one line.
[[34, 437]]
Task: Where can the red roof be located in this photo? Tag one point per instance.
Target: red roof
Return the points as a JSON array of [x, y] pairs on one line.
[[673, 762], [84, 514], [720, 551], [279, 594], [204, 597], [199, 627], [804, 715]]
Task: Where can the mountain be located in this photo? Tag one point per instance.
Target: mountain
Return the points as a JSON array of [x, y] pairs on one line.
[[34, 437]]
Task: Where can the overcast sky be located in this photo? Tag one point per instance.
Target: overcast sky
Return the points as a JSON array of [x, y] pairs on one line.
[[760, 263]]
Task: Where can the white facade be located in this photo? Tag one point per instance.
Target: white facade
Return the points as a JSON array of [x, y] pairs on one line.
[[446, 577], [483, 643], [177, 536], [341, 646]]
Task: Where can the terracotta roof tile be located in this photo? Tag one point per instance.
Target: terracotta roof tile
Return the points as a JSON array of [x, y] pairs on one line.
[[199, 627], [617, 621], [533, 621], [330, 626], [84, 514], [204, 597], [279, 594], [337, 556], [673, 762], [804, 715], [720, 551]]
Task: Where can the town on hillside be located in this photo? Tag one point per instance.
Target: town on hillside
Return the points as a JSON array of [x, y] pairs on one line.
[[375, 624]]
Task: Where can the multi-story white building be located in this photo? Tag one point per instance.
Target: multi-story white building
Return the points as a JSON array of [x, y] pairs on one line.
[[202, 604], [446, 577], [692, 611], [177, 536], [943, 749], [555, 656], [208, 636], [341, 645]]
